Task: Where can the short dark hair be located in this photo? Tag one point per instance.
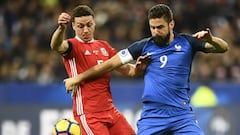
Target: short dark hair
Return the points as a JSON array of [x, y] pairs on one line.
[[82, 10], [159, 11]]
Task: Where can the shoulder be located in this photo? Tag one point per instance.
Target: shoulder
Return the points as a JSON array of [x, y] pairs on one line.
[[195, 43], [144, 40], [183, 35], [140, 43], [188, 37], [72, 40], [102, 42], [105, 46], [137, 47]]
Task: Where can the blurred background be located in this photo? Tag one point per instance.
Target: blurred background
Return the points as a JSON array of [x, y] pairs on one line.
[[32, 95]]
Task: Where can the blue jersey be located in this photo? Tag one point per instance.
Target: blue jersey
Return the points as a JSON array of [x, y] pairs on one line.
[[167, 75]]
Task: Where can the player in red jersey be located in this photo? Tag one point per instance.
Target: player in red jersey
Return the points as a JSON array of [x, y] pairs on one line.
[[92, 103]]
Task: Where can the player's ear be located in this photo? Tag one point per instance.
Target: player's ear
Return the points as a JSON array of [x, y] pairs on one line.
[[73, 26], [172, 24]]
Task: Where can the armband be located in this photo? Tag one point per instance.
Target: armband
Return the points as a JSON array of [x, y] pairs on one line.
[[125, 56]]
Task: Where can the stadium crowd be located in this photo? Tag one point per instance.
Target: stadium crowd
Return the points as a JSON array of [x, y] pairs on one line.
[[26, 27]]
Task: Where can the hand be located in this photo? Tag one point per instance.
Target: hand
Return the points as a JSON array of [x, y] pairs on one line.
[[63, 19], [141, 63], [205, 35], [71, 84]]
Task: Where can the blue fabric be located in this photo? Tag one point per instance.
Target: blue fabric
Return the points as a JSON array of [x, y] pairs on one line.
[[166, 79], [166, 99], [157, 119]]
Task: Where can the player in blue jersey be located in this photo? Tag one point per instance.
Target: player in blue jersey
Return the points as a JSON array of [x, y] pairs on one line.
[[166, 101]]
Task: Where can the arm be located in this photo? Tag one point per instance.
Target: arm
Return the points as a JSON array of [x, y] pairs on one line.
[[213, 44], [107, 66], [57, 41], [127, 70], [133, 70], [93, 72]]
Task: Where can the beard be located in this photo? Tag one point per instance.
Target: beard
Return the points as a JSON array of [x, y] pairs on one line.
[[161, 40]]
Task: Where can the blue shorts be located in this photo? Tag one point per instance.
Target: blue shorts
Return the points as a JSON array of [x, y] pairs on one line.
[[166, 120]]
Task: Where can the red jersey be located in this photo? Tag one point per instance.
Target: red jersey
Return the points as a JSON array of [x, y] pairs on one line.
[[94, 95]]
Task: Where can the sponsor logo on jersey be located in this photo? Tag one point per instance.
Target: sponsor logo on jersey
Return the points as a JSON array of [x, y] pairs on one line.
[[95, 52], [178, 48], [150, 53], [104, 52], [87, 53]]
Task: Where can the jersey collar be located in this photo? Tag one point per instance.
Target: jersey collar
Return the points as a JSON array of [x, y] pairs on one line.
[[80, 40]]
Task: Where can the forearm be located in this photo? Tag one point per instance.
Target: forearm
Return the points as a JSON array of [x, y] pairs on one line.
[[58, 37], [100, 70], [129, 70], [220, 46]]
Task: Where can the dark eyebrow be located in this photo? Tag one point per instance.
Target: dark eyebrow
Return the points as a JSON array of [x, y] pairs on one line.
[[84, 23], [158, 26]]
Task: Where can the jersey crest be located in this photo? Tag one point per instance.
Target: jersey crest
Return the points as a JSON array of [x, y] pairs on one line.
[[178, 47], [104, 52]]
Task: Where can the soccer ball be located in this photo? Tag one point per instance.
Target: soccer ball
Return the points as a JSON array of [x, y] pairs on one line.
[[66, 126]]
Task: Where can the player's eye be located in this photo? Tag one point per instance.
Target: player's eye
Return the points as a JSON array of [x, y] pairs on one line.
[[89, 24], [80, 26], [157, 27]]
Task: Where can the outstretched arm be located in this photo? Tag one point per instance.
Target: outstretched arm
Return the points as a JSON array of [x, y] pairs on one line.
[[213, 44], [107, 66], [96, 71], [57, 41]]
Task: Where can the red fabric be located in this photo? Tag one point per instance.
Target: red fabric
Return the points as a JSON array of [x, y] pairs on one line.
[[110, 122], [95, 95]]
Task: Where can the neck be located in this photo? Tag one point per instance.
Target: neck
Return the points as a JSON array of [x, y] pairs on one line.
[[171, 37], [80, 40]]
